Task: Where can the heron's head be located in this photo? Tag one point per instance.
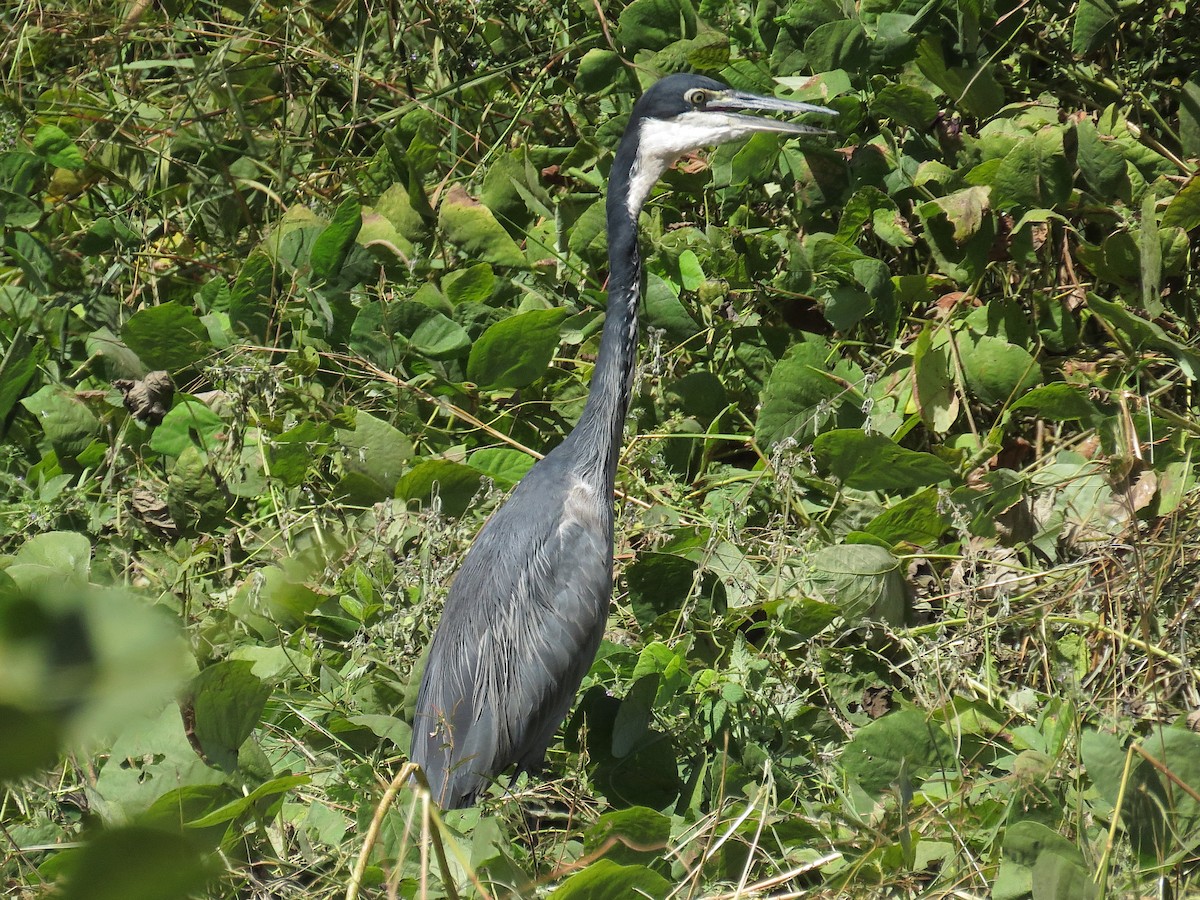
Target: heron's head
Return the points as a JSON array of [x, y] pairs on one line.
[[682, 113]]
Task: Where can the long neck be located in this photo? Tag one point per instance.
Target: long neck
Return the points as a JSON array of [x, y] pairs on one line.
[[603, 421]]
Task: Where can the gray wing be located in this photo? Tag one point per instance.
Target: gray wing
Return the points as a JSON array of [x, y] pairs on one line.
[[520, 629]]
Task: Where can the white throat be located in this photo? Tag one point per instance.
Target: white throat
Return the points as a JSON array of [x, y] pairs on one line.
[[662, 141]]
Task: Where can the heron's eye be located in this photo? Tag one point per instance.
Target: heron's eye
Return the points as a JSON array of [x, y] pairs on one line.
[[696, 97]]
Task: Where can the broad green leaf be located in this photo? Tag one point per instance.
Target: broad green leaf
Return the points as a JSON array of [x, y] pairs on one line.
[[1184, 209], [196, 495], [504, 466], [439, 337], [973, 88], [598, 69], [250, 298], [390, 728], [226, 701], [1189, 118], [271, 599], [471, 226], [653, 24], [902, 747], [914, 520], [836, 45], [1100, 161], [1063, 876], [137, 863], [1060, 402], [663, 310], [453, 484], [188, 424], [933, 383], [1025, 843], [395, 206], [864, 581], [905, 104], [293, 454], [53, 145], [1144, 333], [873, 462], [1094, 20], [997, 371], [606, 880], [659, 584], [629, 836], [332, 246], [515, 351], [1035, 174], [376, 450], [793, 404], [30, 741], [65, 419], [168, 336], [55, 554], [632, 723], [474, 284]]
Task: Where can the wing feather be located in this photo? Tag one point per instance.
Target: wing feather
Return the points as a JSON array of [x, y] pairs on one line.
[[520, 629]]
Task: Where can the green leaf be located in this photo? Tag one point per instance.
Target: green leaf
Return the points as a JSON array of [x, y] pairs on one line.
[[1094, 19], [628, 836], [30, 741], [439, 337], [1035, 174], [1100, 161], [504, 466], [933, 384], [53, 145], [1184, 209], [1060, 402], [59, 553], [900, 748], [474, 284], [136, 863], [376, 450], [905, 104], [1189, 118], [189, 423], [65, 420], [653, 24], [196, 496], [390, 728], [227, 701], [453, 483], [997, 371], [273, 599], [515, 351], [663, 310], [250, 298], [1143, 333], [914, 520], [332, 245], [798, 389], [168, 336], [659, 584], [1062, 876], [873, 462], [471, 226], [606, 880], [864, 581], [836, 45]]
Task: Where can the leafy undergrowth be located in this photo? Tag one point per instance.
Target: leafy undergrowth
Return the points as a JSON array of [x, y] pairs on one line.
[[907, 520]]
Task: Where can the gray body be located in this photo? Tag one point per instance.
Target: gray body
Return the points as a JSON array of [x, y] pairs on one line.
[[527, 609]]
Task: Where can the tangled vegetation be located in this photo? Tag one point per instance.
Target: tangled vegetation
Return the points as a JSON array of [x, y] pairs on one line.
[[291, 295]]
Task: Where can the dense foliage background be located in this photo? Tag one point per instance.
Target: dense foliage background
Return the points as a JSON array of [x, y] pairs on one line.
[[907, 554]]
